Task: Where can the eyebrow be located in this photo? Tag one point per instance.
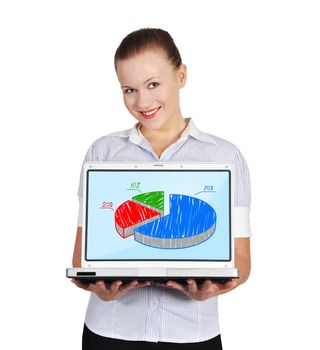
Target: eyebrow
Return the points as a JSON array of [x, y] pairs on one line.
[[125, 86]]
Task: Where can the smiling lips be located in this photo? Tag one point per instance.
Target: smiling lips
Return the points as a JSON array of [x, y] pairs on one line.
[[150, 114]]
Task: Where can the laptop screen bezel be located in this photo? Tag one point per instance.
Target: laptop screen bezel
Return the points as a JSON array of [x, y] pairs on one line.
[[156, 167]]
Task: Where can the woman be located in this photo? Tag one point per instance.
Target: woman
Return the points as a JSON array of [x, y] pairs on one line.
[[150, 71]]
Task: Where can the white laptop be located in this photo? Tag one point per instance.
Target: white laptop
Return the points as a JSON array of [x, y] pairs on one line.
[[157, 221]]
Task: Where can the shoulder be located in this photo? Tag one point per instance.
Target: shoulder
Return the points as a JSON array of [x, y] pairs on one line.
[[99, 149], [210, 142], [228, 151], [224, 148], [103, 140], [223, 143]]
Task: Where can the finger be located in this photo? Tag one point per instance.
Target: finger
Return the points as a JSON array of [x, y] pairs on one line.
[[115, 285], [207, 285], [80, 284], [227, 285], [101, 286], [192, 285], [129, 286], [175, 285], [161, 284], [98, 286], [143, 284], [230, 284], [92, 287]]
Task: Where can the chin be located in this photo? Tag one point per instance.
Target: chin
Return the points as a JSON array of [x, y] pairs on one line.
[[153, 124]]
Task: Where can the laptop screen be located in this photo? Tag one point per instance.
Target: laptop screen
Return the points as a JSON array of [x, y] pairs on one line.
[[158, 215]]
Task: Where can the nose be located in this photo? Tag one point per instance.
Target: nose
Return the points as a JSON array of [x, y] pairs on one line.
[[144, 101]]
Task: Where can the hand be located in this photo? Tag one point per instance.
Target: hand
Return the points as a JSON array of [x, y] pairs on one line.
[[204, 291], [110, 291]]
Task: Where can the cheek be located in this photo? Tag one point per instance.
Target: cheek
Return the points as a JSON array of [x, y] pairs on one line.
[[169, 95], [128, 102], [166, 95]]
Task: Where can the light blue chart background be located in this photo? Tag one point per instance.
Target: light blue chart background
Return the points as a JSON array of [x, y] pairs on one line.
[[104, 242]]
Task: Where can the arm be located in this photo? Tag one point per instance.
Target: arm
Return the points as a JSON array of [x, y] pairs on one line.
[[76, 260], [242, 258], [242, 262]]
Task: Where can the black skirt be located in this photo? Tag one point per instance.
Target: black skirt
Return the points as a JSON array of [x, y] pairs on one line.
[[92, 341]]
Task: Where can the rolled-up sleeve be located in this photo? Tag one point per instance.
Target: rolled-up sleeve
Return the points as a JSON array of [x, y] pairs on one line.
[[242, 197]]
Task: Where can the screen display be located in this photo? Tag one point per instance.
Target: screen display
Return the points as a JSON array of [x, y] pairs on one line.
[[158, 215]]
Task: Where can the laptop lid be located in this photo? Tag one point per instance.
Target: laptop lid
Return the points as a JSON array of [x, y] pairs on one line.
[[157, 215]]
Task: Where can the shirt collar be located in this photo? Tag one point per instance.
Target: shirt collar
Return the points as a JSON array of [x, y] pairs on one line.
[[135, 135]]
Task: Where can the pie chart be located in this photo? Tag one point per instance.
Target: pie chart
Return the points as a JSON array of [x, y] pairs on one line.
[[190, 221], [142, 209]]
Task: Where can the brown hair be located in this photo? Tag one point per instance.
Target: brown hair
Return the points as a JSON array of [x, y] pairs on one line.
[[145, 38]]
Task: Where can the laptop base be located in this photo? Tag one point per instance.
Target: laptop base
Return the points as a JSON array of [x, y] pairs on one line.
[[87, 275], [182, 280]]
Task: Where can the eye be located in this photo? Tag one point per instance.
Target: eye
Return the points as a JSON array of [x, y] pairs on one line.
[[129, 91], [153, 85]]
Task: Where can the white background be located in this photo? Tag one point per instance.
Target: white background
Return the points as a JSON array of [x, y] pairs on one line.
[[253, 78]]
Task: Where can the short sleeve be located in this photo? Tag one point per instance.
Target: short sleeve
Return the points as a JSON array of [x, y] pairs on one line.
[[90, 156], [242, 197]]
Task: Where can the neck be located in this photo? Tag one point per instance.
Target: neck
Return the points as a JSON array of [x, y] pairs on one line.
[[167, 133]]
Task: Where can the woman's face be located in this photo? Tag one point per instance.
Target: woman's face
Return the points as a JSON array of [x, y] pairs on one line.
[[150, 87]]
